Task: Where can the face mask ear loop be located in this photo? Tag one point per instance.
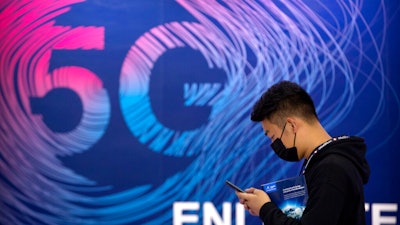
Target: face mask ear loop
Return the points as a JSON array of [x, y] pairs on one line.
[[283, 130], [294, 141]]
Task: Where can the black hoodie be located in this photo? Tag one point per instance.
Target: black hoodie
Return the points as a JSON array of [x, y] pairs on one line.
[[335, 176]]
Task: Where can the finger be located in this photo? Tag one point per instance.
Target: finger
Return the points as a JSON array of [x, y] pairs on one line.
[[250, 190], [246, 206], [239, 194]]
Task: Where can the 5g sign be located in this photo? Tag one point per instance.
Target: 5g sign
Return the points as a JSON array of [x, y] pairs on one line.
[[134, 83]]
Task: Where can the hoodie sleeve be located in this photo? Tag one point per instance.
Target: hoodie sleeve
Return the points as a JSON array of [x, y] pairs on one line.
[[322, 208], [270, 214]]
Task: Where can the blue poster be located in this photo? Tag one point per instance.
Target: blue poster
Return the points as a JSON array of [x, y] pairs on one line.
[[136, 112]]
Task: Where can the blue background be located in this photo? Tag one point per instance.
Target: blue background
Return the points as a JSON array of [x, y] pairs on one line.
[[126, 172]]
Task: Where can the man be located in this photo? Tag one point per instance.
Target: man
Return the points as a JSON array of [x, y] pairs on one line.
[[335, 168]]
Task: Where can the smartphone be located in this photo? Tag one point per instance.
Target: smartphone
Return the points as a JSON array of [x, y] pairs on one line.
[[236, 188]]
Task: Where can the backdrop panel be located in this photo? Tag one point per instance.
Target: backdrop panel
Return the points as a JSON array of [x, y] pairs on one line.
[[136, 112]]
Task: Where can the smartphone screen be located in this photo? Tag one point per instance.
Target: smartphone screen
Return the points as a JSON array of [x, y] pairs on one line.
[[236, 188]]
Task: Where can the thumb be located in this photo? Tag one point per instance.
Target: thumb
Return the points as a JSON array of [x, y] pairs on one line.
[[250, 190]]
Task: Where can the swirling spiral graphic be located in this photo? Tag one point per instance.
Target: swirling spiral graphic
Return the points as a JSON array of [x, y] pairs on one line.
[[329, 47]]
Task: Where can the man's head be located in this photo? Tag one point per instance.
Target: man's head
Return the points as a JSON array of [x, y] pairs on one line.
[[286, 111]]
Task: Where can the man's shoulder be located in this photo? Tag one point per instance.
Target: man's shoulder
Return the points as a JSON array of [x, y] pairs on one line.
[[334, 161]]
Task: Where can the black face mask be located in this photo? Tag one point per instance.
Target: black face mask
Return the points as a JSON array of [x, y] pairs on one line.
[[288, 154]]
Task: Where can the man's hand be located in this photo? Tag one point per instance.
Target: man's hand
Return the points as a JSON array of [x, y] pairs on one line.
[[253, 199]]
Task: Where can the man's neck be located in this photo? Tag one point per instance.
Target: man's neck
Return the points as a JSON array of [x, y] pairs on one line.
[[319, 136]]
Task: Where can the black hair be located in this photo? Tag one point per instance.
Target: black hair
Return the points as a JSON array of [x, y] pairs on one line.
[[284, 99]]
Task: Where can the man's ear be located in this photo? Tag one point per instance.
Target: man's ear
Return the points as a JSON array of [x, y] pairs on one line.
[[292, 123]]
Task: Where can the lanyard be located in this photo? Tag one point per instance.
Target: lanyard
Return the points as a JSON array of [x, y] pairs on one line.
[[303, 170]]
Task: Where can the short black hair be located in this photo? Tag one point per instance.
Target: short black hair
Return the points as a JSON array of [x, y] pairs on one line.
[[284, 99]]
